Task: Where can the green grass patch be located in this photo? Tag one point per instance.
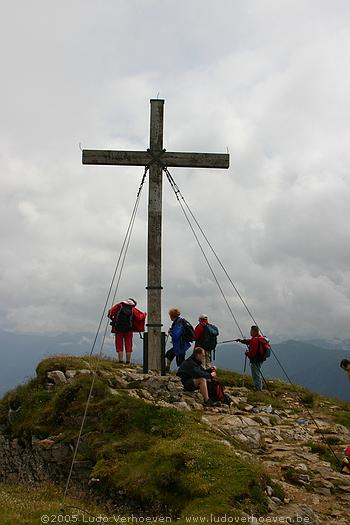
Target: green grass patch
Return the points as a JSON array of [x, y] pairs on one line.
[[229, 378], [324, 452], [277, 490], [25, 505], [343, 418], [308, 399], [265, 398], [65, 362]]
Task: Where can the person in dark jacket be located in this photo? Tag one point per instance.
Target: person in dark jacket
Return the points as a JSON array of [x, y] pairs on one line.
[[180, 346], [253, 354], [195, 377]]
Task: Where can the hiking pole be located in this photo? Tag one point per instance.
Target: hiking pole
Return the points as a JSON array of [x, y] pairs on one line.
[[229, 341], [244, 369], [264, 380], [245, 359]]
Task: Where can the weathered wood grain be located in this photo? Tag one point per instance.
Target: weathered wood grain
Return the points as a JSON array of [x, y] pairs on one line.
[[143, 158]]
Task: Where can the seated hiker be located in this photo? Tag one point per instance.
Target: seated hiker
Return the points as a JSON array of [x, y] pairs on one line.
[[181, 333], [194, 376], [345, 365], [258, 351], [126, 319], [205, 336]]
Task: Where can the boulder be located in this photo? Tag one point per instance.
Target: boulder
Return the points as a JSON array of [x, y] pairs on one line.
[[12, 414], [182, 406], [70, 374], [43, 443], [263, 420], [84, 372], [302, 514], [269, 491], [323, 491], [57, 376]]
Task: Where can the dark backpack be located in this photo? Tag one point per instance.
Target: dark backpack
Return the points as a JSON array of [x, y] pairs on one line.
[[188, 331], [264, 349], [216, 392], [123, 320], [210, 339]]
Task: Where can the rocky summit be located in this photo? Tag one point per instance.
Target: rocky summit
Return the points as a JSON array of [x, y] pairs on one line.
[[149, 447]]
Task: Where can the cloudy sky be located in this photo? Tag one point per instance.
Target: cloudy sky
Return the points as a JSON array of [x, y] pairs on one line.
[[267, 79]]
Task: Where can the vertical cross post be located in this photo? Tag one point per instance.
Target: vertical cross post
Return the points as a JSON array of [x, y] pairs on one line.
[[156, 158], [154, 280]]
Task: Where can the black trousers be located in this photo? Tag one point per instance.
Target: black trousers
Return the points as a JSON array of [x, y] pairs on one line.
[[170, 354]]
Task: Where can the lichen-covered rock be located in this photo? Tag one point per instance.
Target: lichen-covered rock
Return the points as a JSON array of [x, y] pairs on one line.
[[57, 376]]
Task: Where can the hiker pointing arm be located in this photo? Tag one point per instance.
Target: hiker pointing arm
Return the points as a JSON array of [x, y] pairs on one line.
[[252, 346], [258, 351]]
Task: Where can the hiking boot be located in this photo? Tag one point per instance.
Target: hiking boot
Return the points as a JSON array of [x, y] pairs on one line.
[[228, 400], [210, 403]]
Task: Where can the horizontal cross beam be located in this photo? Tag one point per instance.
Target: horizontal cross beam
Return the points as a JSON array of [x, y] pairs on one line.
[[168, 159]]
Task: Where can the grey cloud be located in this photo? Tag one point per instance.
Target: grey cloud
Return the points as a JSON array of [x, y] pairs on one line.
[[270, 82]]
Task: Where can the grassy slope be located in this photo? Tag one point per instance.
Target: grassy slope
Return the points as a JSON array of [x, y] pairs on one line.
[[25, 505], [164, 460]]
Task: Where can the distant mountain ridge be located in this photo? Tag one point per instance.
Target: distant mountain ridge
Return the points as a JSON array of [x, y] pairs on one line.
[[314, 364]]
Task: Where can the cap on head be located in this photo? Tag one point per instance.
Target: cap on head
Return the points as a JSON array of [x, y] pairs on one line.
[[202, 317], [130, 301]]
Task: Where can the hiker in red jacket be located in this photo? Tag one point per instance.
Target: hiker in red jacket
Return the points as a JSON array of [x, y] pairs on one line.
[[126, 319], [205, 336], [258, 351]]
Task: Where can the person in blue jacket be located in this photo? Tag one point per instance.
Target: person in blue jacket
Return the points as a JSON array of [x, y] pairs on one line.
[[176, 333]]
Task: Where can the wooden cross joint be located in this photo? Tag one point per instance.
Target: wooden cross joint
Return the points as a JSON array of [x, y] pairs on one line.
[[156, 157]]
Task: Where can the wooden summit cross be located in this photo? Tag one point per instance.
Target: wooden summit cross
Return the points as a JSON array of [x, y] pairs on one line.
[[156, 158]]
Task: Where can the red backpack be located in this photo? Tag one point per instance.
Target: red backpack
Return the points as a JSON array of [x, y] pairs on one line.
[[216, 393], [138, 320], [264, 348]]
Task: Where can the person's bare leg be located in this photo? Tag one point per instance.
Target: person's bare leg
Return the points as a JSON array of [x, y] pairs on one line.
[[207, 359], [201, 383], [120, 357], [128, 357]]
